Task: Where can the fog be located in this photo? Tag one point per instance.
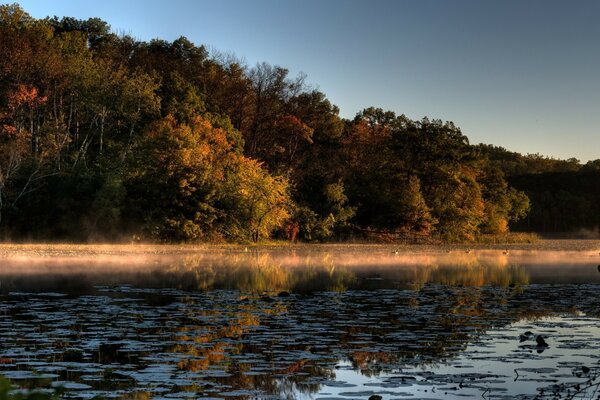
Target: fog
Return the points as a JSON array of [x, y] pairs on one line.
[[80, 268]]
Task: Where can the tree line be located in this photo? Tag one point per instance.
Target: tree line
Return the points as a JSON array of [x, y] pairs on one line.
[[104, 137], [564, 194]]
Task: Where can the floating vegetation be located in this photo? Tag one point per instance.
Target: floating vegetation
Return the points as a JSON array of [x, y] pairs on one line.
[[324, 331]]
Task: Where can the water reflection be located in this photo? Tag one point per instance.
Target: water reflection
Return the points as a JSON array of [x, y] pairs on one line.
[[287, 324], [292, 271]]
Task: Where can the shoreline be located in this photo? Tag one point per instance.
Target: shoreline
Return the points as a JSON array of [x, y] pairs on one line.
[[107, 249]]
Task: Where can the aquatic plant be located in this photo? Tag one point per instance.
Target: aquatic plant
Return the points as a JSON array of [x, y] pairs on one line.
[[10, 392]]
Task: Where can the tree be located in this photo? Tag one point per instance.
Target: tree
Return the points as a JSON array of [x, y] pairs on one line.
[[314, 110], [188, 182], [388, 194], [113, 133], [448, 169], [181, 98], [230, 92], [330, 215], [291, 134], [14, 146], [175, 178], [503, 204], [272, 89], [258, 202]]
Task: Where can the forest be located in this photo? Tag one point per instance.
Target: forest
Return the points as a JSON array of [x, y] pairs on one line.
[[107, 138]]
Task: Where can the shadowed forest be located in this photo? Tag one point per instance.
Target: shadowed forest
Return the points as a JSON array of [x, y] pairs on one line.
[[104, 137]]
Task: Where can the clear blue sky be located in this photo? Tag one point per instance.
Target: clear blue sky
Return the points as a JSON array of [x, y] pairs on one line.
[[521, 74]]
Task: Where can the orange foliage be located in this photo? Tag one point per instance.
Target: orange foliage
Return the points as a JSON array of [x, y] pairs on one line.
[[207, 357], [25, 95], [8, 130], [295, 127], [294, 368], [362, 359]]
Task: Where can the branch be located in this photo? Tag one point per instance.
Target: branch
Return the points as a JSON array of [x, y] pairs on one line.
[[26, 190]]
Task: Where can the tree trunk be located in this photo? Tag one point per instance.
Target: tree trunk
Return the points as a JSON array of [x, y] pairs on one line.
[[1, 201]]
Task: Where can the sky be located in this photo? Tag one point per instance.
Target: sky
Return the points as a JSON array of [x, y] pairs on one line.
[[521, 74]]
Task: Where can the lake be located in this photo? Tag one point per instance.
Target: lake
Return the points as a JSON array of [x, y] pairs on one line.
[[302, 322]]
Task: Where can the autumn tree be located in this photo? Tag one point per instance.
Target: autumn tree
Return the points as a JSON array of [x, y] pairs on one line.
[[187, 182], [174, 179], [387, 194], [258, 203], [447, 167], [230, 92], [102, 133], [272, 88]]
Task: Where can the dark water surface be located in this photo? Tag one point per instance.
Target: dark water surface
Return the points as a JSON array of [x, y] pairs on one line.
[[327, 322]]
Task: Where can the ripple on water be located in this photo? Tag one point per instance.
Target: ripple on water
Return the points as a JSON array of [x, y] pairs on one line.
[[351, 344]]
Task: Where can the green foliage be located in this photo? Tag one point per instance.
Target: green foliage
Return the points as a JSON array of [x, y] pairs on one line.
[[519, 205], [503, 204], [174, 178], [187, 183], [106, 207], [319, 114], [460, 209], [258, 202], [336, 203], [515, 164], [334, 214], [549, 195], [411, 176], [181, 98], [416, 215]]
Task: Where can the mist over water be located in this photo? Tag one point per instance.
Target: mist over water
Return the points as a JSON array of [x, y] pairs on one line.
[[305, 268], [331, 321]]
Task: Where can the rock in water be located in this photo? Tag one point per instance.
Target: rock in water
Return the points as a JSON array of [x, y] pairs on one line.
[[585, 369], [525, 336], [266, 299]]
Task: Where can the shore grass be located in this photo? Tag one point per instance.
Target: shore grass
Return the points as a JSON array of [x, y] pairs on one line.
[[509, 238]]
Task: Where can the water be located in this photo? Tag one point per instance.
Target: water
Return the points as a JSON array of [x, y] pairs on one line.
[[318, 322]]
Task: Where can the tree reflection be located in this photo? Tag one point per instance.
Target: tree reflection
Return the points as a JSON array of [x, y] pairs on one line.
[[275, 323], [266, 273]]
